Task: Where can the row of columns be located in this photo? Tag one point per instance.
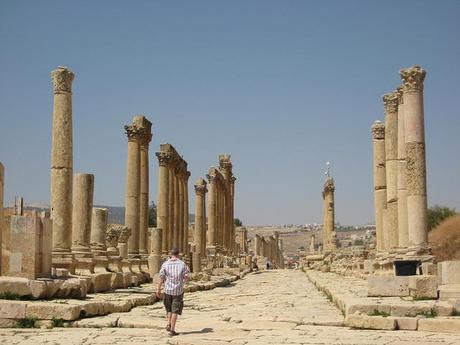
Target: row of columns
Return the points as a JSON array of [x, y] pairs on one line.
[[172, 202], [400, 197], [271, 249], [137, 184]]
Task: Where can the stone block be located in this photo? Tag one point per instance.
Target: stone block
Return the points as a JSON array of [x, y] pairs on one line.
[[449, 292], [370, 322], [12, 309], [15, 285], [357, 305], [388, 286], [442, 308], [48, 311], [450, 272], [449, 325], [38, 289], [429, 268], [410, 309], [406, 323], [424, 286], [369, 266], [101, 281], [8, 323]]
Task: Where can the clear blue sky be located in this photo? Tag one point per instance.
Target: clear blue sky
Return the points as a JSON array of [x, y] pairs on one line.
[[283, 86]]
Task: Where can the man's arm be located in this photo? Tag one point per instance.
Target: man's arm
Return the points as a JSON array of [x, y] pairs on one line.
[[162, 276]]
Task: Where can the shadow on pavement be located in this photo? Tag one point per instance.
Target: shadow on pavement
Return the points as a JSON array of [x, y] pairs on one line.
[[204, 330]]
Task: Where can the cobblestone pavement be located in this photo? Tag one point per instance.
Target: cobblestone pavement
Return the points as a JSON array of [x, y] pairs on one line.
[[270, 307]]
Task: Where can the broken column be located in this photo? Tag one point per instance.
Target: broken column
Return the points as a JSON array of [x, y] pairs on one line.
[[62, 168], [312, 243], [200, 223], [132, 196], [414, 126], [98, 235], [390, 101], [83, 188], [380, 198], [156, 251]]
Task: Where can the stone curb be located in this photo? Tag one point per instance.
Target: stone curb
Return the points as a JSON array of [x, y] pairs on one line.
[[402, 316]]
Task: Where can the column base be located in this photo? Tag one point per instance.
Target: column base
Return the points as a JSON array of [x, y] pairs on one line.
[[65, 260]]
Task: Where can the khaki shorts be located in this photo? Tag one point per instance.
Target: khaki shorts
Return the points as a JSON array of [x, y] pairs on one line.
[[174, 304]]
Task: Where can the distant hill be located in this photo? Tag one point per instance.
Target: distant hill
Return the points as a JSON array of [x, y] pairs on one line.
[[116, 213]]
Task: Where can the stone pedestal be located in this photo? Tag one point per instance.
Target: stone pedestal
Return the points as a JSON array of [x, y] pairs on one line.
[[62, 168]]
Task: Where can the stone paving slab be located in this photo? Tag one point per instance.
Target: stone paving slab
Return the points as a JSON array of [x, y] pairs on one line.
[[271, 307]]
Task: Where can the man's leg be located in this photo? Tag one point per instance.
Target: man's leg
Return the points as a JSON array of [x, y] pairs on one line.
[[168, 318], [173, 321]]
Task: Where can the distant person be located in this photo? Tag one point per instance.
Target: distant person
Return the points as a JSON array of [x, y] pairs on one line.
[[173, 274], [254, 265]]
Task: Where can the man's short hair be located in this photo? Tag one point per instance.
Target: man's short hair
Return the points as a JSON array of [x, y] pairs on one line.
[[174, 251]]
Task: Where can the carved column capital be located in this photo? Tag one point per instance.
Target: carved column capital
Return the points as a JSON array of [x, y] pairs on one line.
[[390, 102], [329, 186], [125, 233], [62, 79], [164, 158], [200, 186], [399, 91], [412, 78], [378, 130], [133, 132], [145, 137]]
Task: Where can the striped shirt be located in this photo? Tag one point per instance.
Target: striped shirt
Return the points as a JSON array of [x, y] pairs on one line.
[[175, 272]]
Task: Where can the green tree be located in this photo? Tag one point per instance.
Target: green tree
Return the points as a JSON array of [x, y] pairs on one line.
[[237, 222], [437, 214], [153, 215]]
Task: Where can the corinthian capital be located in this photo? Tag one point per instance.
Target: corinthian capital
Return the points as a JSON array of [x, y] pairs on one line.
[[125, 232], [399, 91], [133, 132], [378, 130], [164, 158], [62, 79], [412, 78], [329, 186], [390, 102], [200, 186]]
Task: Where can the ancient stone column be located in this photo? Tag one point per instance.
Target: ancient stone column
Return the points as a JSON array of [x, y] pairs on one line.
[[132, 196], [144, 140], [2, 179], [83, 189], [98, 230], [186, 220], [380, 187], [169, 235], [156, 251], [177, 207], [403, 234], [163, 205], [390, 102], [200, 217], [180, 239], [62, 160], [312, 243], [414, 127], [212, 216], [125, 234], [329, 218]]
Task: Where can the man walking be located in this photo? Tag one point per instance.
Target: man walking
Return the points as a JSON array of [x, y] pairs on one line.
[[173, 274]]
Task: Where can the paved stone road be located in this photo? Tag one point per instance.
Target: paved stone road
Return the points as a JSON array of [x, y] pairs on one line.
[[274, 307]]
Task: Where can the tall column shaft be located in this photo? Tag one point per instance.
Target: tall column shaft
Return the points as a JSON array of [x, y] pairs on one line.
[[177, 213], [62, 160], [156, 235], [212, 216], [390, 102], [83, 188], [144, 198], [169, 235], [403, 234], [380, 194], [200, 217], [413, 79], [181, 213], [204, 240], [132, 196], [163, 204], [186, 220]]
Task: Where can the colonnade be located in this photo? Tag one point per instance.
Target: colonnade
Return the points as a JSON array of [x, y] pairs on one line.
[[400, 196], [270, 249]]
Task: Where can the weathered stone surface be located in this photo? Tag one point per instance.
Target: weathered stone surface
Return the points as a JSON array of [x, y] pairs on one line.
[[450, 325], [409, 310], [12, 309], [450, 272], [406, 323], [19, 286], [48, 311], [388, 286], [423, 286], [370, 322]]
